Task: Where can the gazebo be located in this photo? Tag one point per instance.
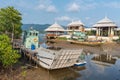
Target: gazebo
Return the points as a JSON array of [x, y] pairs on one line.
[[75, 26], [105, 27], [54, 30]]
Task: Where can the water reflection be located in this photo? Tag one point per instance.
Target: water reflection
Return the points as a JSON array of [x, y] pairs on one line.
[[66, 74], [91, 71], [95, 71], [104, 59], [60, 74], [106, 68]]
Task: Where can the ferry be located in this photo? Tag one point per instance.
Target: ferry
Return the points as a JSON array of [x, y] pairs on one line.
[[49, 57]]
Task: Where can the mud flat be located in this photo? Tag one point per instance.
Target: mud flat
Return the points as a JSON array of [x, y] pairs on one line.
[[107, 48]]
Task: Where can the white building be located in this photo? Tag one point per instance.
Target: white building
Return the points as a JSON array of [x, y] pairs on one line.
[[105, 29]]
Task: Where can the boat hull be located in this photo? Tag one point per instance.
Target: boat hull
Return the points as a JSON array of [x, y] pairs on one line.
[[60, 59], [80, 64], [86, 43]]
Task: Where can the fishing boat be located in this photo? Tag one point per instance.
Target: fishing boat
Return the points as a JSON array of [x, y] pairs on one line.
[[88, 43], [81, 38], [81, 61], [56, 58], [49, 57]]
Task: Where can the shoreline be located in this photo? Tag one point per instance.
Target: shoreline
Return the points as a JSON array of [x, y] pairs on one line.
[[106, 48]]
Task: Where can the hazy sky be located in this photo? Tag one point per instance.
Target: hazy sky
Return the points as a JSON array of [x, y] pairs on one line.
[[64, 11]]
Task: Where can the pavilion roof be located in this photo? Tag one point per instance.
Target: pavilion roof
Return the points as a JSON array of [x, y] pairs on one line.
[[106, 22], [76, 23], [55, 27]]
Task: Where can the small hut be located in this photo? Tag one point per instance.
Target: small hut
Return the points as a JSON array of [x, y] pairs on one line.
[[75, 26], [54, 31], [105, 27]]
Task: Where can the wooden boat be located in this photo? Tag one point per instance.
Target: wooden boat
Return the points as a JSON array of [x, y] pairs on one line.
[[81, 63], [88, 43], [52, 59], [46, 56]]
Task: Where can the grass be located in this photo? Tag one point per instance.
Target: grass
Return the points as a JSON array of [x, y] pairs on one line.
[[62, 38]]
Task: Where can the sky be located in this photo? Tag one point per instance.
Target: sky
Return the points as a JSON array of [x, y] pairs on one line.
[[65, 11]]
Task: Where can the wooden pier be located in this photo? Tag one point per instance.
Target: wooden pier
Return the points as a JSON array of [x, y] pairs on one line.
[[31, 55]]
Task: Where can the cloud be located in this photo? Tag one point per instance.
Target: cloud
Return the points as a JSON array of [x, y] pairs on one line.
[[87, 18], [73, 7], [89, 6], [112, 4], [77, 5], [51, 8], [46, 5], [63, 18], [41, 7]]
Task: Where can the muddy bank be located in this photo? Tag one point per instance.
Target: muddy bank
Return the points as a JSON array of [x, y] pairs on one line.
[[25, 70], [109, 48]]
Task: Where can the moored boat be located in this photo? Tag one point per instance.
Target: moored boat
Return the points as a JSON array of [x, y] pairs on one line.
[[49, 57], [88, 43], [81, 63]]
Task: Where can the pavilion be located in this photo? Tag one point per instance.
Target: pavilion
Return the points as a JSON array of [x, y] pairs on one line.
[[105, 27], [54, 31], [75, 26]]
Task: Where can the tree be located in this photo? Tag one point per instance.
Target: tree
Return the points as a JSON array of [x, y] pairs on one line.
[[8, 56], [10, 21]]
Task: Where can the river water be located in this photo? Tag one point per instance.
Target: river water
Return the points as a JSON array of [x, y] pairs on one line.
[[107, 69]]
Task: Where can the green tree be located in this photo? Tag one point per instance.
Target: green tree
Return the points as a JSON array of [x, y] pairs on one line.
[[8, 56], [10, 22]]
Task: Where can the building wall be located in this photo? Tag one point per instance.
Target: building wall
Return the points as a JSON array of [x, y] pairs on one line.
[[31, 40]]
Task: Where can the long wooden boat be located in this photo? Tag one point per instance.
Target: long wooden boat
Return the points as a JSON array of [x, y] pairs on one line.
[[63, 58], [50, 58], [88, 43]]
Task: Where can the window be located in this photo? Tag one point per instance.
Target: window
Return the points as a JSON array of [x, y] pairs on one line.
[[33, 34], [30, 33], [36, 34]]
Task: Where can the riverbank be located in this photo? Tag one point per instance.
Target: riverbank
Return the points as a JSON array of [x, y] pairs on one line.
[[109, 48], [25, 70]]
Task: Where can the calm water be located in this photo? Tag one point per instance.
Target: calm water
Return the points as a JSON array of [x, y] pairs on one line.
[[107, 70], [91, 71], [95, 71]]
